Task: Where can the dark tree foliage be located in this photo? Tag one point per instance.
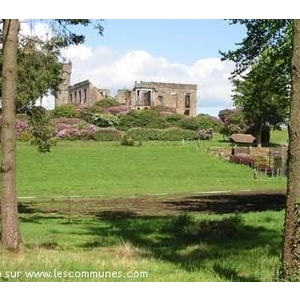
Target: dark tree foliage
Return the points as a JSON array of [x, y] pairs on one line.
[[40, 70], [64, 29], [262, 75], [264, 93], [261, 34], [42, 129]]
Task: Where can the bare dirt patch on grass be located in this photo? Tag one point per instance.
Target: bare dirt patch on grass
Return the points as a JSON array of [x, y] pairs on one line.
[[158, 205]]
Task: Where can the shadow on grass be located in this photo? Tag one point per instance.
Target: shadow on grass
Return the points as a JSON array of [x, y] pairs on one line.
[[189, 243], [166, 205], [231, 274], [202, 242], [225, 141], [230, 203]]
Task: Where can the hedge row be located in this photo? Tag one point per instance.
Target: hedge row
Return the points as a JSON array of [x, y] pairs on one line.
[[108, 134], [169, 134]]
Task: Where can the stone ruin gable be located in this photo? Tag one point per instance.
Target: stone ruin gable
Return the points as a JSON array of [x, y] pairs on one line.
[[85, 93], [180, 97], [124, 96], [105, 93]]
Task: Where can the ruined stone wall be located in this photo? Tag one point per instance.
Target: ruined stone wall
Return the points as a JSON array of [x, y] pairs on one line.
[[63, 94], [79, 93], [171, 95], [105, 93], [84, 93], [175, 99], [95, 96], [125, 96]]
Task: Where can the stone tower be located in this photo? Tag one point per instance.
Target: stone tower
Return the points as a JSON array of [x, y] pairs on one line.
[[63, 94]]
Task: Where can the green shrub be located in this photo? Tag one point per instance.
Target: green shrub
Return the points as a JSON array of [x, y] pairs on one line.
[[87, 113], [65, 110], [202, 121], [206, 122], [105, 120], [189, 123], [26, 136], [169, 134], [177, 134], [127, 141], [108, 134], [174, 119], [142, 118], [105, 103]]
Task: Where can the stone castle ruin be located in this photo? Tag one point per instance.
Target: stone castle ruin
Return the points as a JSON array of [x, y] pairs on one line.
[[179, 97], [83, 92]]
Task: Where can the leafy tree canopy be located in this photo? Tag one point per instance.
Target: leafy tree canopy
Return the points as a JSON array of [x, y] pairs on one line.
[[261, 34], [263, 94], [40, 69], [262, 75]]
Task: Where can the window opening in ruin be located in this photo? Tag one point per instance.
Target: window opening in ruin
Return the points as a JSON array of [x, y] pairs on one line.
[[187, 100], [146, 98], [138, 100], [187, 112], [84, 95]]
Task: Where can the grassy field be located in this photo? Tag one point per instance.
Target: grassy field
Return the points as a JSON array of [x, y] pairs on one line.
[[121, 222], [93, 169], [203, 244], [279, 136]]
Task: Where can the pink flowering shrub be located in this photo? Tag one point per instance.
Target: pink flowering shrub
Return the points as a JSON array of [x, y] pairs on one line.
[[23, 132], [118, 110], [69, 134], [62, 126], [75, 129], [68, 121], [21, 127]]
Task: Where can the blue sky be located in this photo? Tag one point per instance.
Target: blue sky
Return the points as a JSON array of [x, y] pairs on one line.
[[183, 41], [181, 51]]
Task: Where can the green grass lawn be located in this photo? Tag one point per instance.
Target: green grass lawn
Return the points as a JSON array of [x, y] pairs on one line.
[[279, 136], [93, 168], [189, 247], [175, 237]]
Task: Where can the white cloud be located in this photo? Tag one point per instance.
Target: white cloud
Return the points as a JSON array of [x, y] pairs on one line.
[[77, 53], [108, 68]]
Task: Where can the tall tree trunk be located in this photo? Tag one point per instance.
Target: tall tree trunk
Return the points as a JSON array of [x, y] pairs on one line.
[[259, 134], [291, 249], [11, 237]]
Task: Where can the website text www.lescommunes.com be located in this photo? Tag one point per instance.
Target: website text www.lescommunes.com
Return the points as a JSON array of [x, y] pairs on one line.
[[72, 274]]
